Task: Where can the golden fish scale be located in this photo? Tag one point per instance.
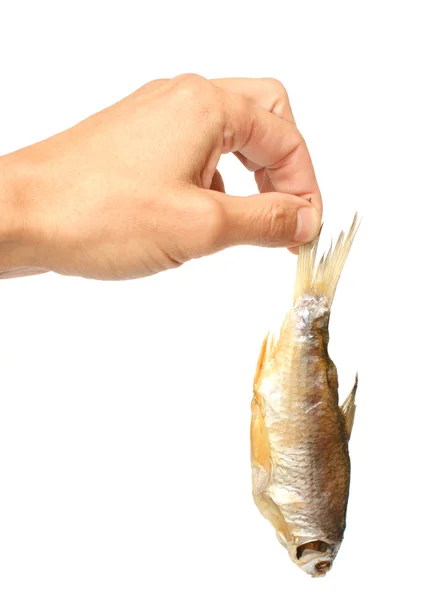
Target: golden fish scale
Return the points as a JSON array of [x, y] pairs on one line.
[[310, 466]]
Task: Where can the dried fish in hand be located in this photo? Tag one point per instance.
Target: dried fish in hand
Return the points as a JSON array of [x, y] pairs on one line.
[[299, 433]]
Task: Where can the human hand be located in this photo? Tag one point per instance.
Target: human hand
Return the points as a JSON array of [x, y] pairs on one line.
[[134, 189]]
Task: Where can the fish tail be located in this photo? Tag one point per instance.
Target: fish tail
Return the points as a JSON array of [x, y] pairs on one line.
[[305, 267], [323, 279]]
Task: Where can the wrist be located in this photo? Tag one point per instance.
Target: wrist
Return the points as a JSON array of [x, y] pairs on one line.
[[16, 248], [7, 202]]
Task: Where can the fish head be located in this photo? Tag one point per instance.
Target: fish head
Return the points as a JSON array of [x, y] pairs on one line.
[[315, 557]]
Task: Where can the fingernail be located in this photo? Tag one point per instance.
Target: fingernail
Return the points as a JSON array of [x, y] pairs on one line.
[[308, 224]]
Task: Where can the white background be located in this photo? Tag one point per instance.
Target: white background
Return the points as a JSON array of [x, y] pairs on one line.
[[124, 407]]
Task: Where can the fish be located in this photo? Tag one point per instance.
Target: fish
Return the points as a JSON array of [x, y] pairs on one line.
[[299, 433]]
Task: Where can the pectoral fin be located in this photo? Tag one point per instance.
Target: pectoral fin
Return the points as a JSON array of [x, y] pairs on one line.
[[259, 441], [261, 471], [260, 448], [265, 356], [272, 513], [261, 451], [348, 409]]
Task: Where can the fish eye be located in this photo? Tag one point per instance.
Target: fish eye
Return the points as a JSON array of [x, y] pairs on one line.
[[310, 548]]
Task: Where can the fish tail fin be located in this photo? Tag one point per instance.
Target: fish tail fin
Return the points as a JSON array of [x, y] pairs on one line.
[[324, 279], [305, 267]]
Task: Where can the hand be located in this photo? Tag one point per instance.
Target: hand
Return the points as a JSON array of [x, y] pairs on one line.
[[134, 189]]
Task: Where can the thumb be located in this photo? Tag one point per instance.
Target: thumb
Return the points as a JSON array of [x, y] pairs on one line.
[[271, 219]]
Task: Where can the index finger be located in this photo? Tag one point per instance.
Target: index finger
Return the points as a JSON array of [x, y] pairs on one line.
[[271, 142], [268, 93]]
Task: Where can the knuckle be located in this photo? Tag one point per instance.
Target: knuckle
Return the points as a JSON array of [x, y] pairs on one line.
[[200, 95], [278, 224], [233, 130], [191, 86], [299, 144], [189, 79], [276, 85], [214, 225], [204, 225], [208, 229], [297, 138], [295, 147], [280, 97]]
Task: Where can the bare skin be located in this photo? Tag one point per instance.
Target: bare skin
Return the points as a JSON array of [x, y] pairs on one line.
[[134, 189]]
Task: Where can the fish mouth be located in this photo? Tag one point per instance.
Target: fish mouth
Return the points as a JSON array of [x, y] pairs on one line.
[[322, 567], [315, 557], [311, 547]]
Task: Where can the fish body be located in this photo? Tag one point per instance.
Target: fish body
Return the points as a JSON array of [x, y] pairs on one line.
[[299, 433]]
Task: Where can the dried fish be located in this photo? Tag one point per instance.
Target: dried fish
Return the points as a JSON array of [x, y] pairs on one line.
[[299, 433]]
